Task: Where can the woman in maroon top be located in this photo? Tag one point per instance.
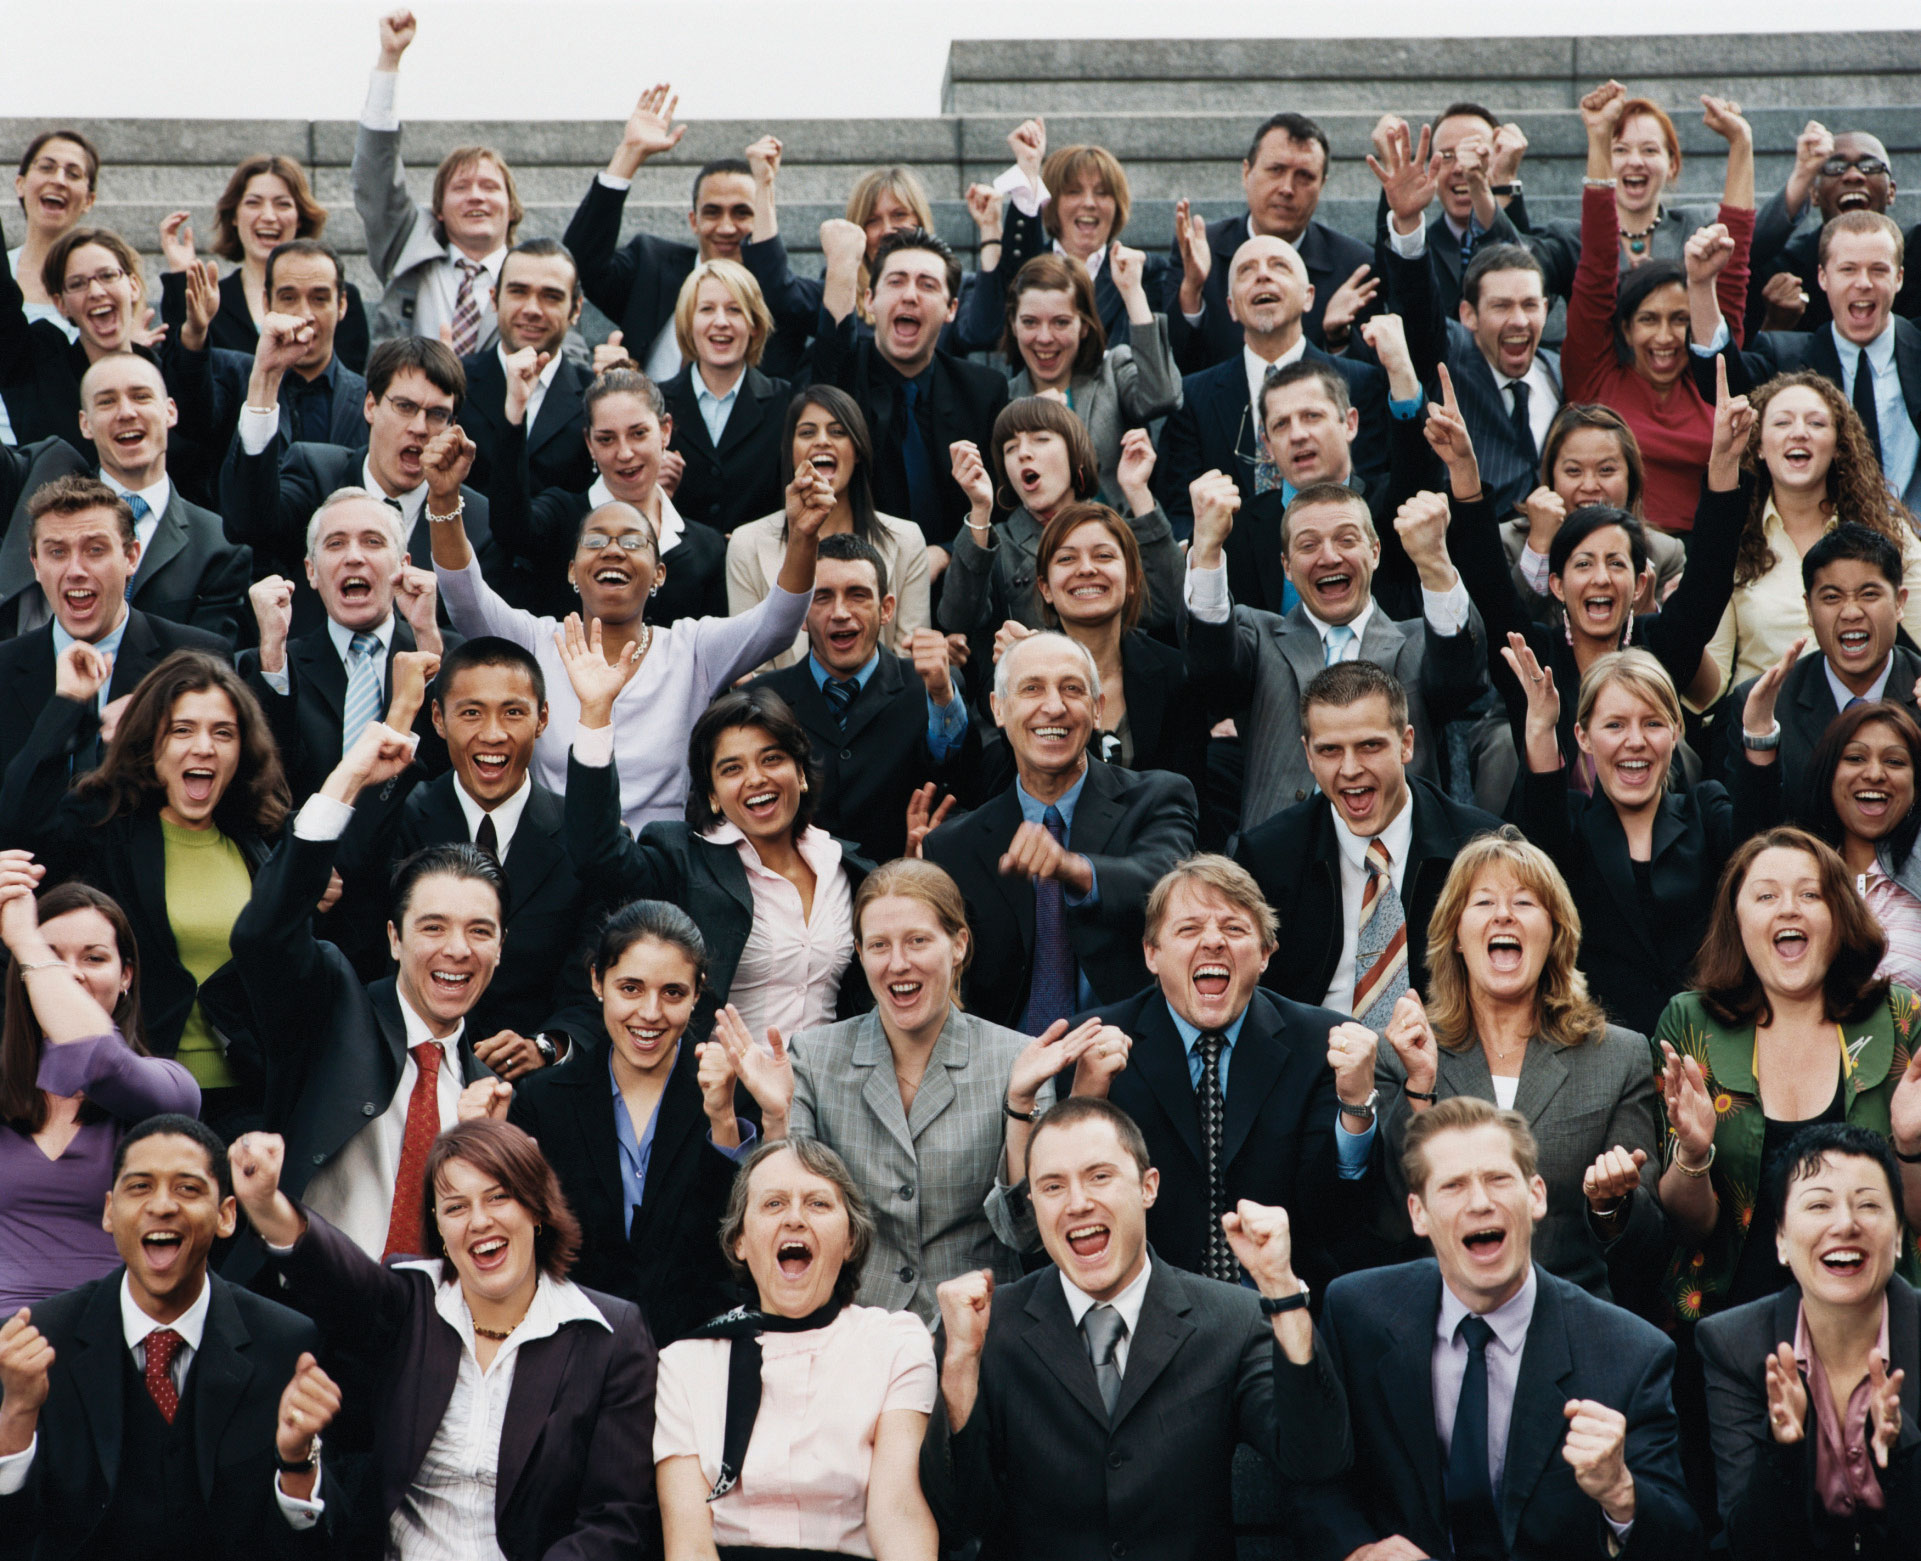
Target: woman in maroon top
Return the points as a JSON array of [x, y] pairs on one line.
[[1627, 339]]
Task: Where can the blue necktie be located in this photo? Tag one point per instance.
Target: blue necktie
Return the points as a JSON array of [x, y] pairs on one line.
[[362, 703], [923, 498], [839, 694], [1339, 637], [1050, 993], [1471, 1513], [141, 510]]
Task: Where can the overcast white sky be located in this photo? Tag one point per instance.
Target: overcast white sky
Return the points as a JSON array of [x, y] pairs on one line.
[[479, 59]]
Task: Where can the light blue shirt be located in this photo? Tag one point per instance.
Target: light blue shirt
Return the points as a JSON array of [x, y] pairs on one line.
[[1900, 444], [636, 1149], [1033, 812], [107, 645], [714, 410], [946, 725], [1351, 1149]]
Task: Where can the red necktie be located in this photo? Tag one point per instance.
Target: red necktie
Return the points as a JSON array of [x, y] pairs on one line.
[[423, 1122], [162, 1345]]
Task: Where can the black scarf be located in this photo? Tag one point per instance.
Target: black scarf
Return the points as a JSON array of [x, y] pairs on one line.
[[744, 1325]]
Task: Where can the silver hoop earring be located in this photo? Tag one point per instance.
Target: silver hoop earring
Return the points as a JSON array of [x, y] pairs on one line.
[[655, 591]]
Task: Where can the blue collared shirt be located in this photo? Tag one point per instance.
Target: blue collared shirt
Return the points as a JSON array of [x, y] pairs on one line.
[[636, 1149], [1350, 1149], [107, 645], [715, 410], [1033, 812], [946, 724]]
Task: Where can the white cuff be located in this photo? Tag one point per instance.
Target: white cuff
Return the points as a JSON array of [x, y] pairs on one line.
[[594, 746], [379, 112], [321, 818], [1027, 199], [1409, 246], [301, 1513], [15, 1466], [613, 181], [1713, 346], [258, 428], [1207, 594], [1534, 569], [1446, 610], [1195, 317], [279, 682]]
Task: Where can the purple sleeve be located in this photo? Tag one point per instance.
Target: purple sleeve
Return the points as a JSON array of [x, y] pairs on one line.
[[106, 1069]]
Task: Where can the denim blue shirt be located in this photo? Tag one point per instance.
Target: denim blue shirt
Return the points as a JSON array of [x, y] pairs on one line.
[[946, 725]]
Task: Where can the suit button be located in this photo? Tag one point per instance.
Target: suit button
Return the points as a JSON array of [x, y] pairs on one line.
[[906, 1191], [1115, 1460], [320, 1159], [906, 1276], [1117, 1549], [370, 1110], [1300, 796], [847, 753]]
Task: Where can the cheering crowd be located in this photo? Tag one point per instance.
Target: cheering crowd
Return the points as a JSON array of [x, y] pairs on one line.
[[1094, 908]]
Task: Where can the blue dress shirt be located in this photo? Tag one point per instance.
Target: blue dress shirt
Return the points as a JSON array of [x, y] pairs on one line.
[[946, 725], [107, 645]]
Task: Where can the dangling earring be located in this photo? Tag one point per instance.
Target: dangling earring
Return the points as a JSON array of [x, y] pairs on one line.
[[655, 591]]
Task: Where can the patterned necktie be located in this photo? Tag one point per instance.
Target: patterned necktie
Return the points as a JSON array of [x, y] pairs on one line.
[[141, 510], [1380, 950], [1523, 423], [923, 497], [1050, 991], [466, 324], [1339, 637], [839, 694], [162, 1345], [1102, 1329], [487, 837], [1217, 1258], [1470, 1486], [362, 703], [410, 1181], [1864, 403]]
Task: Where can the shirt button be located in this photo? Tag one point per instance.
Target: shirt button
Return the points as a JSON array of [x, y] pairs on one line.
[[906, 1191], [906, 1276], [847, 753], [320, 1159], [1117, 1549], [1115, 1460], [370, 1110]]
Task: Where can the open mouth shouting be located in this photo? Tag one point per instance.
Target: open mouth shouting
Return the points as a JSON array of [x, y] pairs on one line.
[[1798, 458], [1029, 480], [491, 768], [1505, 953], [1088, 1242], [1212, 978], [794, 1257], [163, 1250], [1517, 348], [761, 805], [826, 463], [197, 783], [1855, 645], [1844, 1262], [103, 321], [1862, 313], [1633, 774], [450, 986], [907, 330], [1853, 199], [356, 588], [1791, 945], [407, 458], [488, 1255], [1872, 803], [1051, 738], [904, 994], [1485, 1246], [1335, 587], [83, 602], [1635, 184], [1599, 610], [610, 576]]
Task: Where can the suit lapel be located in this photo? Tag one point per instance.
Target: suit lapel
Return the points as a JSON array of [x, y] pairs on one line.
[[873, 699], [169, 540], [936, 1093], [221, 1373], [558, 408], [537, 848], [139, 654], [1164, 1327], [1907, 367], [1097, 815], [1406, 1372], [1161, 1060], [1261, 1055], [325, 674], [1537, 1427], [97, 1371], [880, 1089], [1301, 646], [676, 1118], [591, 1097], [1146, 695], [1061, 1350], [1263, 521], [1608, 845], [538, 1374], [748, 413], [1542, 1075]]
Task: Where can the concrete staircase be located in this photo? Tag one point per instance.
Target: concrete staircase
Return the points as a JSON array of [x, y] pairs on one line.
[[1178, 114]]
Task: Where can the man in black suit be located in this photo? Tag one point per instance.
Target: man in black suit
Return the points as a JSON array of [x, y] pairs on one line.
[[143, 1413], [188, 571], [1056, 869], [414, 390], [537, 302], [1092, 1409], [1296, 1082], [1860, 271], [1314, 860], [918, 398], [1283, 175], [1855, 597], [306, 683], [81, 543], [904, 724], [1496, 1409]]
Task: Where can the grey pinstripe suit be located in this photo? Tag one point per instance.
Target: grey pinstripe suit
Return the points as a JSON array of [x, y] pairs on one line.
[[933, 1175]]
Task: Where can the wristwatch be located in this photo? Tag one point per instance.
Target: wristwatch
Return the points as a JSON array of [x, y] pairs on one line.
[[1505, 189], [1274, 1305], [1767, 740], [300, 1465], [549, 1052], [1364, 1109]]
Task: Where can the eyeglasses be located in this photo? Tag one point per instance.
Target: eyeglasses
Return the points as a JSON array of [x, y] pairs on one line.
[[47, 168], [1835, 167], [80, 284], [633, 542], [437, 417]]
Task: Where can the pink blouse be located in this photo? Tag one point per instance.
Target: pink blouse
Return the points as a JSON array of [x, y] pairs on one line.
[[790, 969]]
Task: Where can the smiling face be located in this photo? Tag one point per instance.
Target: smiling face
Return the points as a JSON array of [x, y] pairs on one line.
[[83, 564], [488, 1233], [1359, 759], [723, 215], [1797, 440], [1091, 1201], [1504, 936], [164, 1212], [266, 215], [1632, 743], [447, 946], [1855, 610], [1860, 276], [125, 411], [1641, 165], [755, 784], [308, 288], [474, 208], [1853, 188], [722, 332], [490, 719], [1596, 586], [1841, 1231], [1873, 786], [84, 940], [1657, 335], [1050, 711], [1590, 469], [1507, 325], [1307, 435], [355, 562], [646, 999], [536, 301], [1449, 136], [847, 614], [54, 191], [400, 424], [1267, 287], [796, 1238], [912, 963], [1039, 470], [1479, 1210], [196, 755], [1047, 330], [627, 439], [1330, 557], [1283, 184], [100, 297], [1086, 209], [821, 441], [1787, 929], [1085, 581], [911, 303], [616, 563], [1208, 954], [890, 215]]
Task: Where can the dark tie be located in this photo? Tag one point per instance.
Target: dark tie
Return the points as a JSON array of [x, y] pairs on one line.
[[1523, 424], [839, 694], [487, 837], [1217, 1258], [1102, 1329], [923, 498], [162, 1345], [1471, 1512], [398, 508], [1050, 992], [1864, 406]]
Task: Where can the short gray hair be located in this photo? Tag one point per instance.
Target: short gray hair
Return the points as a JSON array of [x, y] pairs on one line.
[[389, 515], [1003, 678], [823, 1162]]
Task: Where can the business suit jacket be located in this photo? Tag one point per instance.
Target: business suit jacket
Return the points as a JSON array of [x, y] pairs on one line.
[[1040, 1470], [668, 1262], [24, 468], [247, 1355], [233, 329], [580, 1414], [737, 481], [557, 446], [1443, 254], [228, 374], [869, 770], [307, 719], [1295, 856], [1266, 661], [635, 284], [268, 499], [1132, 826], [1379, 1330], [933, 1175], [1767, 1493], [1330, 258]]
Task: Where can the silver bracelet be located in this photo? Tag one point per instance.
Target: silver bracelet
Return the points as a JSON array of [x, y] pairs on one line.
[[1599, 184], [460, 508], [45, 964]]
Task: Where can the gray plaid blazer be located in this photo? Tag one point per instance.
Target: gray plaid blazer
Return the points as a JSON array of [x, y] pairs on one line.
[[933, 1177]]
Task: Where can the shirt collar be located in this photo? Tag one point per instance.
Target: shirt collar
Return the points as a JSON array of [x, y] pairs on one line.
[[818, 849], [489, 263], [417, 1033], [546, 375], [1880, 350], [1804, 1345], [1127, 1303], [412, 502], [555, 1303], [822, 675], [1093, 262], [1509, 1320], [158, 497], [191, 1324], [706, 397], [668, 525], [1398, 837], [1843, 694], [343, 637], [1258, 368], [1358, 623], [506, 814], [108, 644], [325, 378], [1191, 1033], [1035, 812]]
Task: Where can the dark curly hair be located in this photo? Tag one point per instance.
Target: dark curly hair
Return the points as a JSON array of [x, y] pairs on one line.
[[764, 710], [1855, 485]]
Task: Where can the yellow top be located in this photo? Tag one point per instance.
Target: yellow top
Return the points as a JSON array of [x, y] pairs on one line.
[[208, 886]]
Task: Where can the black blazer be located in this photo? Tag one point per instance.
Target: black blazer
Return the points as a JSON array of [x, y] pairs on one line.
[[1379, 1328], [1132, 825], [580, 1415], [24, 468], [670, 1262], [962, 401], [634, 284], [233, 329], [246, 1358], [1330, 258], [1027, 237], [268, 499], [557, 449], [1280, 1125], [1296, 859], [40, 373], [870, 770], [739, 481], [306, 720], [1041, 1473], [1767, 1493], [670, 862], [228, 374]]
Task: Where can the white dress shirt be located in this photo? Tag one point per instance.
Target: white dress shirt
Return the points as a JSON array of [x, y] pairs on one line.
[[1398, 837], [1257, 369], [1127, 1303], [791, 967], [541, 385], [505, 814], [1900, 439]]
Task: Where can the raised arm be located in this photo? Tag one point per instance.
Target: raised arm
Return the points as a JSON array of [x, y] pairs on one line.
[[387, 209], [1588, 351], [607, 267]]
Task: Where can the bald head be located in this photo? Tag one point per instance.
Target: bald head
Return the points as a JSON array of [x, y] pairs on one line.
[[125, 411], [1865, 177], [1267, 293]]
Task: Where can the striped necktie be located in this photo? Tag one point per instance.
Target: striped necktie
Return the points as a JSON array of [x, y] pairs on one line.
[[1380, 952], [362, 703], [466, 322]]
